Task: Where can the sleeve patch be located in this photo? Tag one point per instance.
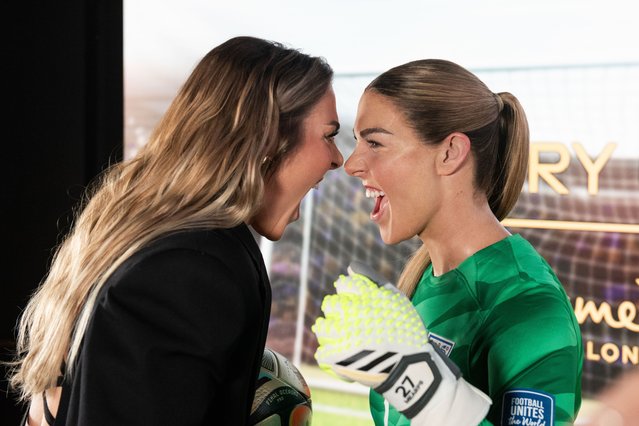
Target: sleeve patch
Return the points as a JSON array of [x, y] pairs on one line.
[[528, 407], [446, 345]]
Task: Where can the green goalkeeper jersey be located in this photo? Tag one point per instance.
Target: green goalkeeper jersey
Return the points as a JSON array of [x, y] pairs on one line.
[[503, 317]]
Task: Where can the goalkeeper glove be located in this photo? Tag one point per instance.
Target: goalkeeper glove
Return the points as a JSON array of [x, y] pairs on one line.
[[373, 335]]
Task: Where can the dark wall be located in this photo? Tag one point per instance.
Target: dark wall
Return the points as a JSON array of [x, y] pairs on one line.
[[64, 125]]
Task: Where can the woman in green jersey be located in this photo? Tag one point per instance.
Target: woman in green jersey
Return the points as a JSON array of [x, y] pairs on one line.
[[444, 159]]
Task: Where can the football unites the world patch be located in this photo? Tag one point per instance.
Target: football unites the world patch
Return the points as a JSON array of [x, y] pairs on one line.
[[528, 407]]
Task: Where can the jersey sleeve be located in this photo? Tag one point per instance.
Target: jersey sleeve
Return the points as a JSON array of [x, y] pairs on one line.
[[384, 414], [534, 356], [161, 340]]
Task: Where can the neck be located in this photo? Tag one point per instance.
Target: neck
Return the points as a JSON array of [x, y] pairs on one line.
[[459, 231]]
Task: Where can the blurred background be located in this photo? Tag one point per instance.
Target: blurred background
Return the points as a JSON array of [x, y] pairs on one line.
[[574, 65]]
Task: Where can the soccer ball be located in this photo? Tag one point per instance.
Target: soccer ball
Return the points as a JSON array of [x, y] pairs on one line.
[[282, 397]]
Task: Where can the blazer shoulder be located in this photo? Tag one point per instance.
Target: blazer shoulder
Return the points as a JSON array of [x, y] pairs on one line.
[[228, 243]]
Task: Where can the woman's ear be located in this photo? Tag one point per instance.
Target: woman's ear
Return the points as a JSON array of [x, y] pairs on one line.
[[453, 152]]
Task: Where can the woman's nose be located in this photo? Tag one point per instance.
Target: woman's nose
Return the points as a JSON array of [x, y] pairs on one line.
[[354, 165], [338, 159]]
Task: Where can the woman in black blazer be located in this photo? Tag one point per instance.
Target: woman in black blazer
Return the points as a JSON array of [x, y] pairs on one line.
[[156, 306]]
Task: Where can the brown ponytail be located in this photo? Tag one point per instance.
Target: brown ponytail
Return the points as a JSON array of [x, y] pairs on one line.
[[510, 171]]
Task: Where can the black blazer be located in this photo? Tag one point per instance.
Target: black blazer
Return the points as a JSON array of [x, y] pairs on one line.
[[176, 336]]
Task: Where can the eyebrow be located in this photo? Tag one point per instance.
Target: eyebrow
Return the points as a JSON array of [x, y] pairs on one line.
[[372, 130]]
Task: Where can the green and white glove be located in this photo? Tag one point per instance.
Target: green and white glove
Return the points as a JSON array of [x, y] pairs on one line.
[[373, 335]]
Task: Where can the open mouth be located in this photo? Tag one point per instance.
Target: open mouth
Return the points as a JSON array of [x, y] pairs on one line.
[[378, 196], [316, 186]]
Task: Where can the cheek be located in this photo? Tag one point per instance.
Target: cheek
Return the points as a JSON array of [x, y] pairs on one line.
[[397, 176], [295, 179], [410, 193], [315, 162]]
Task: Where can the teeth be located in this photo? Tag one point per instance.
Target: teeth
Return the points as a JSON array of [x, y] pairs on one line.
[[373, 193]]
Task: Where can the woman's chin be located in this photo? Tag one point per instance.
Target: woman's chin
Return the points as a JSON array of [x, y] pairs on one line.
[[389, 238], [295, 215], [272, 237]]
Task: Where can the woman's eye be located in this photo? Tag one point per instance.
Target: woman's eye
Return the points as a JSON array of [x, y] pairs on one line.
[[373, 144], [330, 138]]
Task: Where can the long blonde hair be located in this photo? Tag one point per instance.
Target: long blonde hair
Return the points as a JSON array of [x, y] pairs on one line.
[[203, 167], [438, 98]]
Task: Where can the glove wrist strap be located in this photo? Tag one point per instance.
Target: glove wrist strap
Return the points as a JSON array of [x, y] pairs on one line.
[[411, 384]]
